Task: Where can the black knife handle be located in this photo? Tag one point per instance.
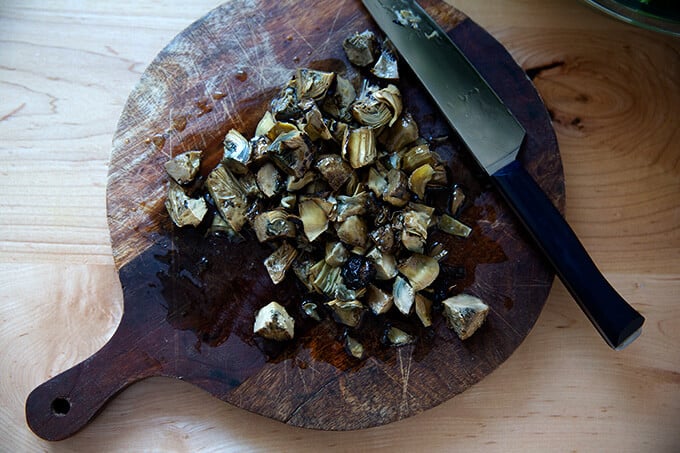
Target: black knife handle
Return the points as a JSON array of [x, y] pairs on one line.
[[618, 322]]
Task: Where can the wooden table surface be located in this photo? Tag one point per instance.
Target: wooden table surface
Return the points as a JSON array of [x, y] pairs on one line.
[[66, 68]]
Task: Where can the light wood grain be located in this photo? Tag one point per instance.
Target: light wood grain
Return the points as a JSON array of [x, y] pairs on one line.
[[66, 69]]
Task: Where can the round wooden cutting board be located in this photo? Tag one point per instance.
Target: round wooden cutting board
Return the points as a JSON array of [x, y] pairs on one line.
[[190, 300]]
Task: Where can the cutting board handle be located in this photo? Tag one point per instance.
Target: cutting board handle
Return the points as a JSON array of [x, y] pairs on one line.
[[63, 405]]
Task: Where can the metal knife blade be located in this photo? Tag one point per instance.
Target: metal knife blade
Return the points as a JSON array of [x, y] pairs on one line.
[[481, 119], [494, 137]]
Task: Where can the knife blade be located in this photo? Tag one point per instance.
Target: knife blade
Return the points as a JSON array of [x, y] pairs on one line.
[[494, 137]]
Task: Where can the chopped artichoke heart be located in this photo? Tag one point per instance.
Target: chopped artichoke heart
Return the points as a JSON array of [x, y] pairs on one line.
[[424, 310], [401, 134], [294, 184], [274, 323], [376, 182], [416, 157], [398, 337], [313, 84], [378, 300], [269, 180], [386, 67], [454, 227], [315, 126], [334, 170], [337, 105], [351, 206], [278, 262], [314, 219], [291, 153], [403, 294], [396, 193], [184, 167], [360, 48], [385, 264], [353, 232], [354, 348], [229, 196], [421, 271], [361, 150], [347, 312], [265, 124], [336, 254], [465, 314], [390, 96], [273, 225], [182, 209], [236, 152], [325, 278], [419, 179], [383, 238]]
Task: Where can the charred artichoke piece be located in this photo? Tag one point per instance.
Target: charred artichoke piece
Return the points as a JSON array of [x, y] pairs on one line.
[[398, 337], [424, 310], [236, 152], [351, 206], [378, 300], [229, 196], [385, 264], [182, 209], [354, 348], [337, 104], [377, 182], [313, 84], [278, 262], [417, 156], [292, 153], [285, 105], [314, 125], [335, 170], [383, 238], [258, 147], [465, 314], [421, 271], [184, 167], [336, 254], [361, 48], [269, 180], [414, 230], [272, 225], [419, 180], [457, 200], [403, 294], [396, 193], [353, 232], [274, 323], [361, 150], [311, 310], [347, 312], [295, 184], [314, 219], [401, 134], [454, 227]]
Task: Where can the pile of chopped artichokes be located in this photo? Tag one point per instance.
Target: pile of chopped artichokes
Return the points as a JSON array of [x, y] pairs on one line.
[[335, 177]]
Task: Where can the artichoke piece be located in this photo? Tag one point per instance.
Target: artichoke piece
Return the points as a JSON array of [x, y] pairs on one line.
[[288, 201], [303, 271], [398, 337], [265, 124], [336, 254], [440, 177], [258, 147], [314, 219], [229, 196], [324, 278], [421, 270], [419, 179], [278, 262], [378, 300], [401, 134], [385, 264], [465, 314], [361, 150], [182, 209], [376, 182], [351, 206], [457, 200], [274, 323], [272, 225], [342, 292], [312, 84], [414, 230], [337, 104], [347, 312], [425, 209], [454, 227], [424, 310], [396, 193], [294, 184], [184, 167], [354, 348], [236, 152], [340, 133], [269, 180], [386, 67], [438, 251], [335, 170], [285, 105], [315, 126], [292, 153], [310, 309], [353, 232], [403, 294], [377, 108], [360, 48], [383, 238], [279, 128], [417, 156]]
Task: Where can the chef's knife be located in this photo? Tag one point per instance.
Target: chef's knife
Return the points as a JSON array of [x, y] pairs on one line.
[[494, 137]]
